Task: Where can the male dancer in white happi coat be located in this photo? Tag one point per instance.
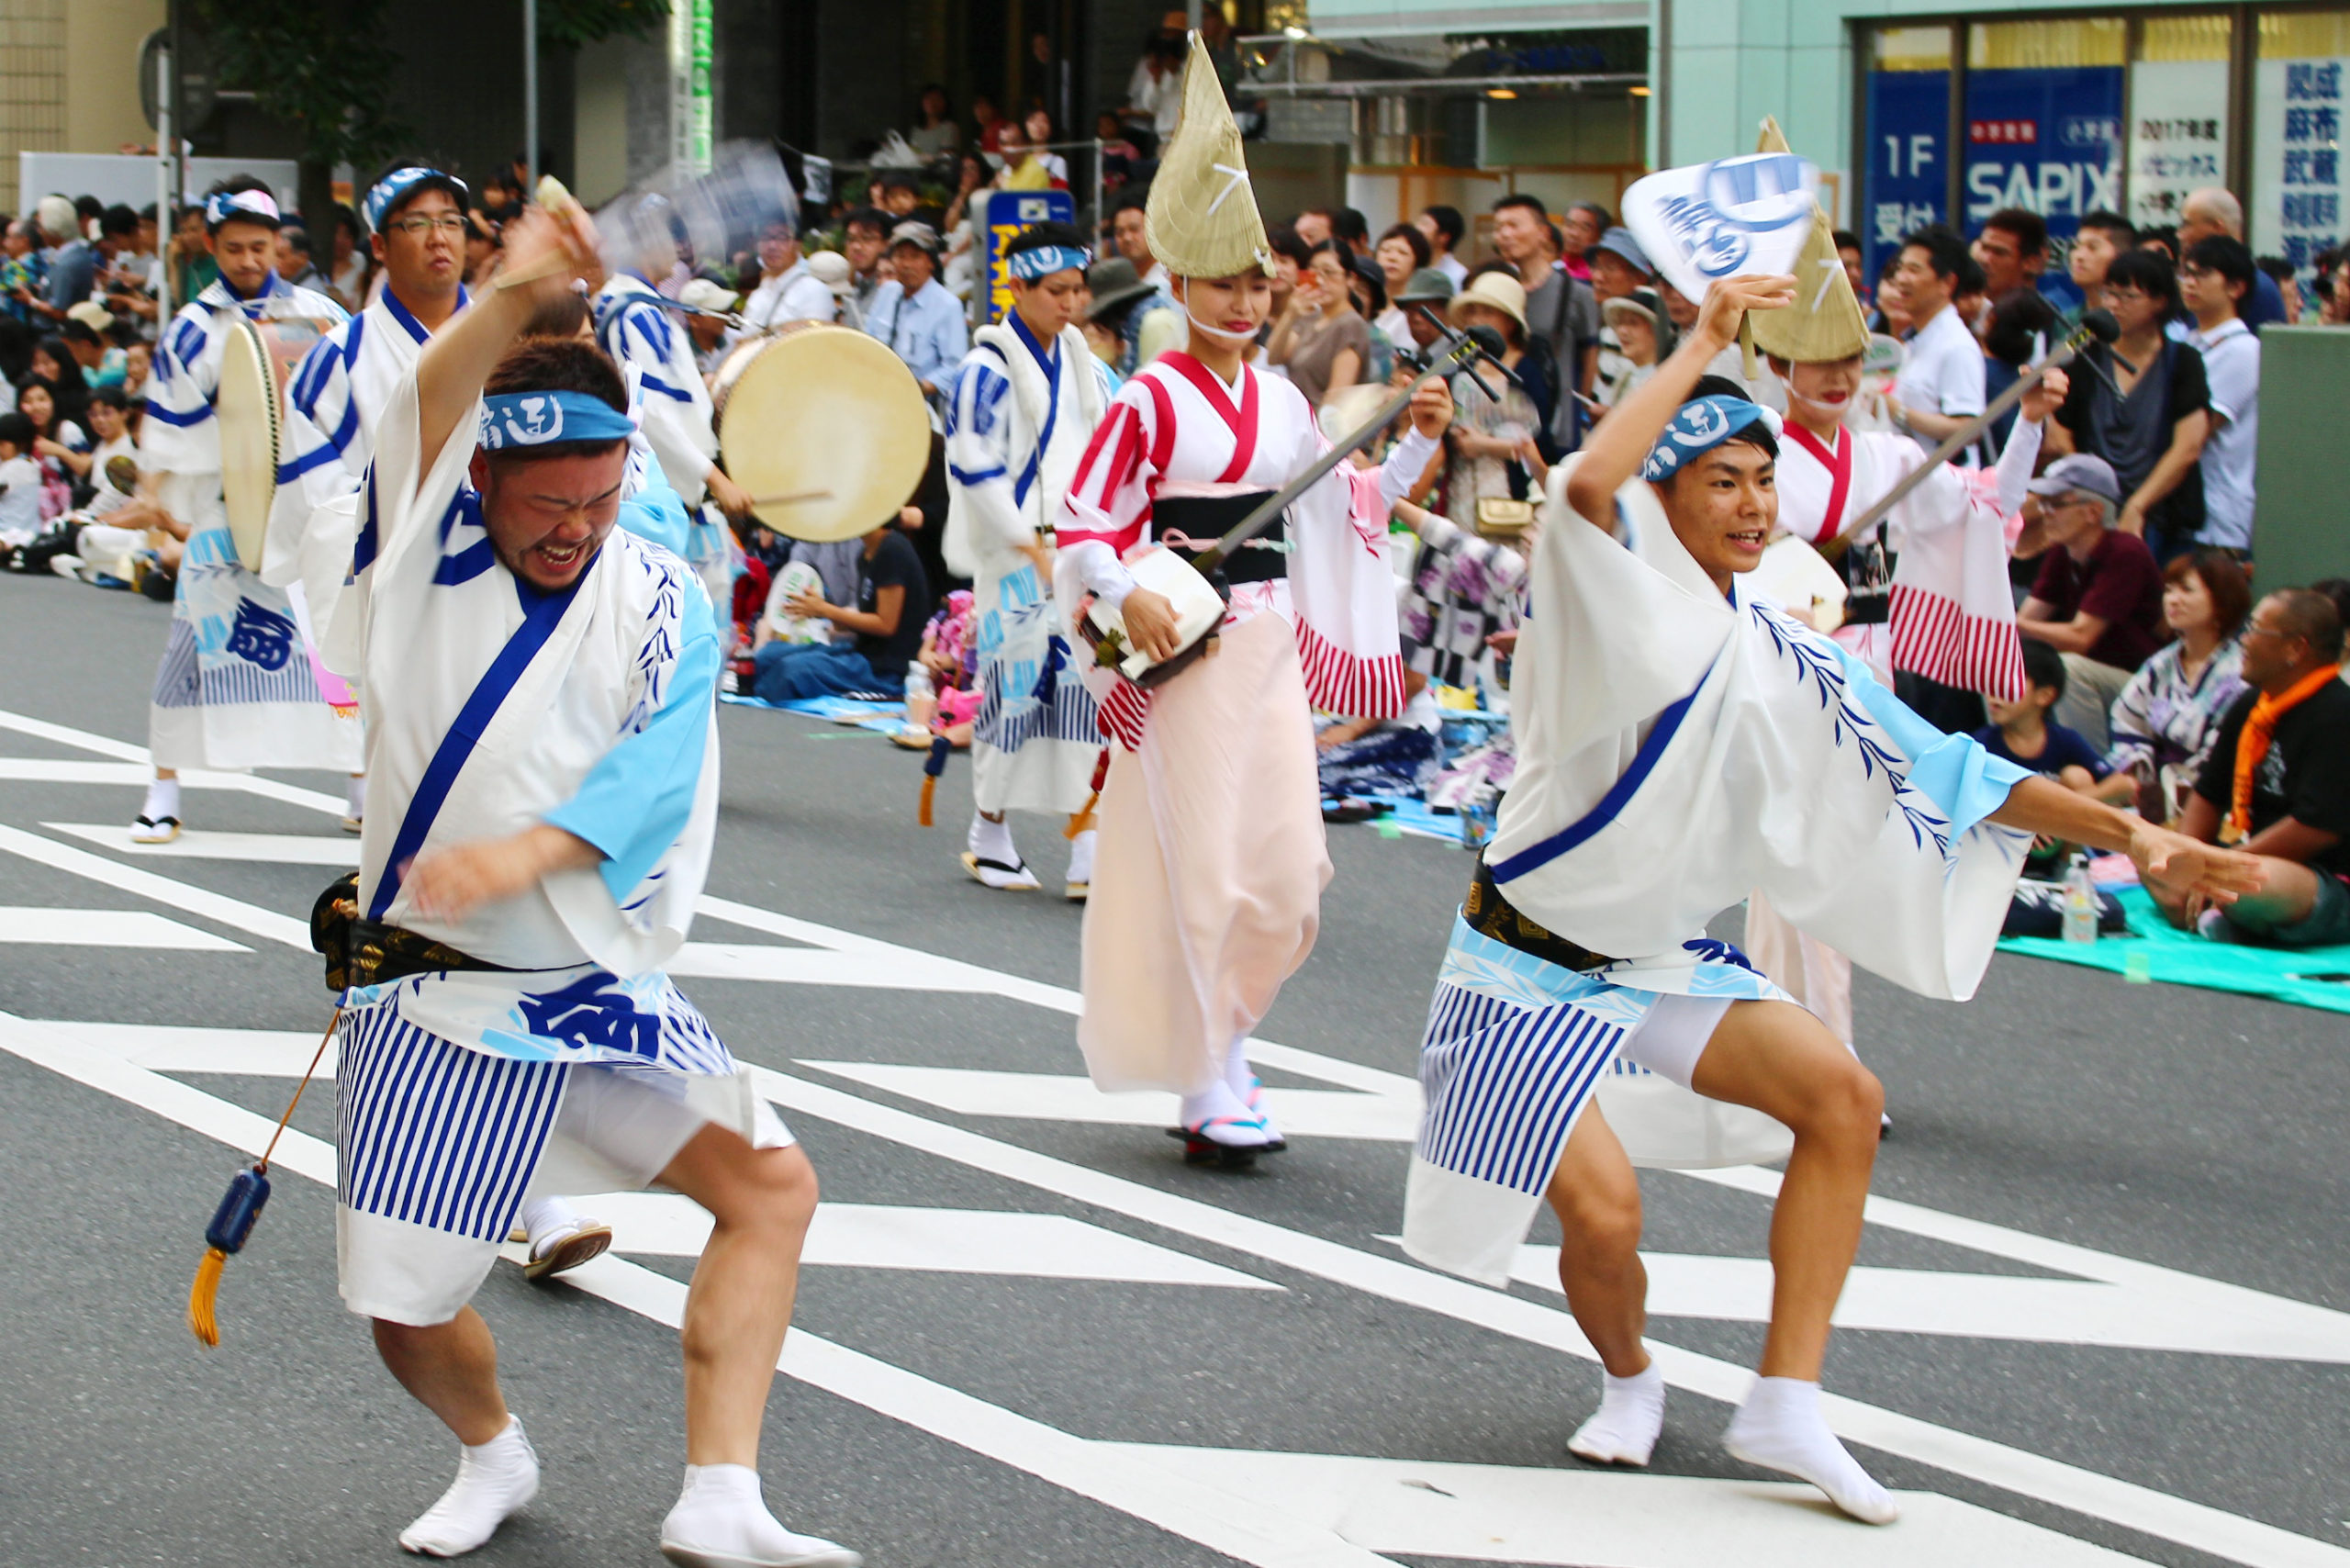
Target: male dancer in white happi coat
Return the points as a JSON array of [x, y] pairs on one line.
[[238, 687], [539, 690], [1680, 742], [1024, 408], [1212, 859]]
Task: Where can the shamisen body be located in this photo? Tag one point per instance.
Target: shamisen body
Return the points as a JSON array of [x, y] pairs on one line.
[[1679, 744], [1209, 872], [539, 691]]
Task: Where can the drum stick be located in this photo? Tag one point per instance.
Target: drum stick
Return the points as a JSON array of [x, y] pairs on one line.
[[791, 499]]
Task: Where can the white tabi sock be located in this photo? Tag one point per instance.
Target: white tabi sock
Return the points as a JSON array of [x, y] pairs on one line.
[[1780, 1427], [991, 841], [544, 1216], [494, 1480], [1624, 1430], [1242, 1079], [1236, 1126], [721, 1521], [1081, 857], [355, 795], [163, 800]]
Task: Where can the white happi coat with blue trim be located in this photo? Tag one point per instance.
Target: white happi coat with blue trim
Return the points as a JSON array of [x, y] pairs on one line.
[[236, 688], [1676, 750], [1018, 424], [334, 404], [645, 338], [491, 708]]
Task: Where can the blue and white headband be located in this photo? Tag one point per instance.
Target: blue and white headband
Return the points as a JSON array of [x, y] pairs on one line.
[[1046, 260], [393, 189], [1697, 428], [515, 419], [258, 206]]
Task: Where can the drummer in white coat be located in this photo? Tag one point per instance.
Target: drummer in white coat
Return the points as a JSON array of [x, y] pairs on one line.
[[1024, 408], [238, 687]]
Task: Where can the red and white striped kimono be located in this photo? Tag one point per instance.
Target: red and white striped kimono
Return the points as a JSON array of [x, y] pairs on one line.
[[1953, 617], [1208, 878]]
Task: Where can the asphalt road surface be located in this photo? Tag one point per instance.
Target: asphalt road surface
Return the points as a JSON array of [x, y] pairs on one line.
[[2102, 1315]]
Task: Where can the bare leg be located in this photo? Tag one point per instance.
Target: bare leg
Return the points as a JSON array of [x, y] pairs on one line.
[[741, 1299], [1597, 1195], [1779, 1059], [451, 1369]]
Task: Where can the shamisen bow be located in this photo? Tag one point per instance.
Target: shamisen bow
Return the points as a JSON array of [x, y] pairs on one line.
[[512, 419], [1698, 427]]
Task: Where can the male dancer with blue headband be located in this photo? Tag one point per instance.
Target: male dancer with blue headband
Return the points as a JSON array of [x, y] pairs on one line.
[[1023, 409], [1679, 744], [539, 689], [236, 688]]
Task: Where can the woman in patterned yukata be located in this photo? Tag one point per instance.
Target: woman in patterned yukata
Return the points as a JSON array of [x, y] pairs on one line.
[[1679, 744], [1210, 866]]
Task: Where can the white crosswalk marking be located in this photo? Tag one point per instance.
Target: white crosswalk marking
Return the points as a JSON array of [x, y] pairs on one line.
[[196, 844], [1051, 1097], [136, 929]]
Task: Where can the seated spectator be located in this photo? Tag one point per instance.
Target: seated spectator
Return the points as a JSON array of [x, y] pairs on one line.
[[2277, 784], [2215, 281], [2167, 718], [1381, 757], [87, 336], [20, 485], [885, 631], [60, 448], [938, 135], [949, 660], [2022, 732], [1119, 154], [706, 324], [137, 364], [54, 363], [2098, 600], [1039, 126], [2149, 423]]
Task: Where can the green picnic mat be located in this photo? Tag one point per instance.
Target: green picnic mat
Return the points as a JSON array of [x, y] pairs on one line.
[[2176, 958]]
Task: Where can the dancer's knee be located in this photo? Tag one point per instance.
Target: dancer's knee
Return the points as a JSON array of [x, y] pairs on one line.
[[1845, 1103], [1598, 1205], [776, 1193]]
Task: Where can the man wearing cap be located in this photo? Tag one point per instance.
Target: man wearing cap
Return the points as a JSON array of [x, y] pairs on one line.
[[708, 304], [1619, 268], [1680, 742], [415, 218], [1561, 309], [789, 289], [1212, 859], [1143, 318], [84, 331], [2098, 597], [1026, 403], [540, 692], [236, 688], [913, 313], [1433, 287]]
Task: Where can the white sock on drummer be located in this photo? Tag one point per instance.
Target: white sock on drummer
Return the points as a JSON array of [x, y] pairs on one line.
[[1780, 1427], [992, 841], [494, 1480], [541, 1217], [1625, 1427], [1081, 857], [721, 1514], [355, 795], [163, 800]]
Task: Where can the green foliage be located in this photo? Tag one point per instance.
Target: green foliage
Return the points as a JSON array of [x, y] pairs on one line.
[[320, 65], [577, 22]]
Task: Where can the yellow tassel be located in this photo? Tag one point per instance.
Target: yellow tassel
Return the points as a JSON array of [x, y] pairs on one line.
[[1081, 821], [929, 791], [202, 1293]]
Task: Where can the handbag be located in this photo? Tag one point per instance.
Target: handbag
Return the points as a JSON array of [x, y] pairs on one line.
[[1499, 515]]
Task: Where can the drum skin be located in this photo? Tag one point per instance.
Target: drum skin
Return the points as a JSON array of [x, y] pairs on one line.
[[816, 408], [256, 366]]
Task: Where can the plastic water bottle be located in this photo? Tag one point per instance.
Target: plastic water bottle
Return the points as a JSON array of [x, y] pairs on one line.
[[918, 681], [2080, 902]]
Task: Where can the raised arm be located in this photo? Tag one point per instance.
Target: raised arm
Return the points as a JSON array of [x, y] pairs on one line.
[[1620, 443], [543, 255]]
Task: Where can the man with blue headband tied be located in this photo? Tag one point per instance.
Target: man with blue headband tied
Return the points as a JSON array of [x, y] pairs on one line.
[[539, 688], [1680, 742], [1023, 409], [236, 688]]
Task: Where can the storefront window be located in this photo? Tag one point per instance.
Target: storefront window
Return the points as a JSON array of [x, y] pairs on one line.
[[2296, 108], [2179, 115], [1908, 137], [2044, 126]]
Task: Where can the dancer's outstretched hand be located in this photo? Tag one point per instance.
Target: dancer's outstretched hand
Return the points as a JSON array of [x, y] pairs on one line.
[[450, 883], [1728, 300], [2219, 876]]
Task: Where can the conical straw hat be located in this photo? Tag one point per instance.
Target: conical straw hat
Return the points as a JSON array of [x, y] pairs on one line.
[[1202, 218], [1826, 322]]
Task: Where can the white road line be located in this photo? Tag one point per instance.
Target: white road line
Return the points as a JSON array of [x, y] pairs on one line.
[[135, 775], [135, 928], [946, 1241], [1274, 1518], [265, 923], [124, 751], [1053, 1097], [195, 844], [1598, 1519]]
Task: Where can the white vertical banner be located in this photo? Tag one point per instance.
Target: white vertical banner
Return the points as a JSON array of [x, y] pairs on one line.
[[2297, 109], [692, 38], [2178, 136]]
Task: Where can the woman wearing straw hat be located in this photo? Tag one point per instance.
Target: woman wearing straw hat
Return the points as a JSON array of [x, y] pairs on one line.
[[1210, 862], [1498, 449]]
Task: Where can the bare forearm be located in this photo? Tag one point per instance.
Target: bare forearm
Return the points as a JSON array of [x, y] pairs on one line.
[[2286, 839], [2043, 806], [450, 372], [1620, 443]]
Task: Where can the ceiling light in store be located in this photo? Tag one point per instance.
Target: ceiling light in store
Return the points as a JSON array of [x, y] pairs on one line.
[[1500, 93], [1640, 92]]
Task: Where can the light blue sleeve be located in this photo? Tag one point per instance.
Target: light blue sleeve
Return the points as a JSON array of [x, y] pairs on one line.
[[638, 799], [1964, 781], [657, 513]]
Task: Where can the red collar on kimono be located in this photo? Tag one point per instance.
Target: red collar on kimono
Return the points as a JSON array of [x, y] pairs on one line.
[[1241, 421], [1838, 460]]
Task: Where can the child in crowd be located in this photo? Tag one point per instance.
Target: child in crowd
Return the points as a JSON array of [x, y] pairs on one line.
[[20, 484], [2022, 732]]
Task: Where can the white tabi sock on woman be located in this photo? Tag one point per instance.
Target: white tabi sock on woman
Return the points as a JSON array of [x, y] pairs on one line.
[[1081, 860], [1780, 1427], [1219, 1116], [494, 1480], [991, 841], [1242, 1079], [721, 1521], [1624, 1430], [163, 800]]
